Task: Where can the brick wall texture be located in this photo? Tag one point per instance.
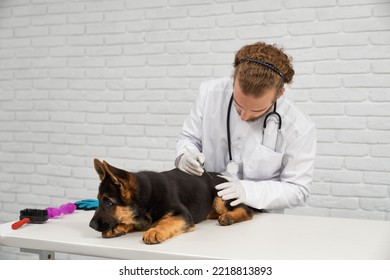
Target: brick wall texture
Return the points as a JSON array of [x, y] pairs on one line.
[[115, 80]]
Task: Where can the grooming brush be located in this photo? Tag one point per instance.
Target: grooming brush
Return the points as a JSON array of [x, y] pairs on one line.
[[34, 216]]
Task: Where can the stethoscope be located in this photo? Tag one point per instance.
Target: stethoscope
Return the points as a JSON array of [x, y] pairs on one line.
[[232, 167]]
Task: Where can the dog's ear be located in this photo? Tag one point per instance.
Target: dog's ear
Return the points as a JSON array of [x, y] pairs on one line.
[[126, 181], [115, 173], [99, 169]]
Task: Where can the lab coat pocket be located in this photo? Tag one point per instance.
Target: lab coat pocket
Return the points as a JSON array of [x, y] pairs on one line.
[[263, 164]]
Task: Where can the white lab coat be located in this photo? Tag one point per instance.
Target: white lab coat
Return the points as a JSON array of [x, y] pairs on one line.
[[276, 172]]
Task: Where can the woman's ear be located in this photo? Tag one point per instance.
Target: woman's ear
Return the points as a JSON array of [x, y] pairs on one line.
[[280, 92]]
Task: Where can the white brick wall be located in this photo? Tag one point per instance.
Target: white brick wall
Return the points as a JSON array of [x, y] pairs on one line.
[[115, 80]]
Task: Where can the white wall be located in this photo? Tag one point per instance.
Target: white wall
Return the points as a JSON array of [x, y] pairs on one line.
[[115, 79]]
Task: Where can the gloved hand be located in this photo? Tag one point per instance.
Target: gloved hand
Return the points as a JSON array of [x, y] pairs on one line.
[[233, 189], [192, 162], [87, 204]]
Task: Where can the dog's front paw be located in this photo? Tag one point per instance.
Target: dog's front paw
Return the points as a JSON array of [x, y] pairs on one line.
[[154, 236], [225, 220], [118, 230], [112, 233]]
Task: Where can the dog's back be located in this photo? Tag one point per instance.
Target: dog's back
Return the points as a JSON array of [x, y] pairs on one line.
[[197, 193]]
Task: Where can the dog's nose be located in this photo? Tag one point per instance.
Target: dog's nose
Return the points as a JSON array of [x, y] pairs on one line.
[[93, 224]]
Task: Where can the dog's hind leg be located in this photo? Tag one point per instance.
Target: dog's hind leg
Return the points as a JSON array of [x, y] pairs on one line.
[[238, 214], [168, 226], [227, 214]]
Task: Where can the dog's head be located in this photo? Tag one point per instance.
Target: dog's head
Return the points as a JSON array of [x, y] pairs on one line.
[[116, 192]]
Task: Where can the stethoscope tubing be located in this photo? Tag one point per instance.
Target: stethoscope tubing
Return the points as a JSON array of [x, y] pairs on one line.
[[228, 128]]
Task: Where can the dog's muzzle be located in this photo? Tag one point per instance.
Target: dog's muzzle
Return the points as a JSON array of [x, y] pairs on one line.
[[101, 225], [94, 224]]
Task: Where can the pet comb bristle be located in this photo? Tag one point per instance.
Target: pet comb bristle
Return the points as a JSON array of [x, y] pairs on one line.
[[36, 216]]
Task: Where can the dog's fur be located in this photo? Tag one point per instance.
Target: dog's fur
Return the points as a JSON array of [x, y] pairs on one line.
[[161, 204]]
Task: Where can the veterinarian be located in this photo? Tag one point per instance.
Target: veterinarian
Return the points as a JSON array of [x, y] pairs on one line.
[[247, 129]]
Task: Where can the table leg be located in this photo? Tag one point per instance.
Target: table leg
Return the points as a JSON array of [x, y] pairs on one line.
[[43, 254]]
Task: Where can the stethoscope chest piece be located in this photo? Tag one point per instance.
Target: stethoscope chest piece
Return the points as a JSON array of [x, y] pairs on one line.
[[232, 168]]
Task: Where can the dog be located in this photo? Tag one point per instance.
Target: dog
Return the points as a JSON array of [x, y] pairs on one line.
[[162, 205]]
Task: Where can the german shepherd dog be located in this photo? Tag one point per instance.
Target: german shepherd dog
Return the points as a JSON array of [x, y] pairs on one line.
[[162, 205]]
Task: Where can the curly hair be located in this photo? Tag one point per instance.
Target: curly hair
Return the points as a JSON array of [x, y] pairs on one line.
[[272, 69]]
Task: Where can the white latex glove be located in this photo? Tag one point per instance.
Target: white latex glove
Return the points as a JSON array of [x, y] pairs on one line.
[[192, 162], [232, 189]]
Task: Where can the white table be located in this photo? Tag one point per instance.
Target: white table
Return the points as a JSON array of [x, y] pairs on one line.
[[267, 236]]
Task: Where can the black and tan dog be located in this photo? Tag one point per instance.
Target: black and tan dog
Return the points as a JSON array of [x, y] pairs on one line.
[[161, 204]]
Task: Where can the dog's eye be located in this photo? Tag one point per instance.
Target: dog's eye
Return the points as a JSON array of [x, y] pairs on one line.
[[108, 202]]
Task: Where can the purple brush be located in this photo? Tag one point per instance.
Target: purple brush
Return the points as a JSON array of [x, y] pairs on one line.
[[68, 208]]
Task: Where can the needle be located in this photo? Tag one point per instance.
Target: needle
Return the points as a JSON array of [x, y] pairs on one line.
[[201, 164]]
